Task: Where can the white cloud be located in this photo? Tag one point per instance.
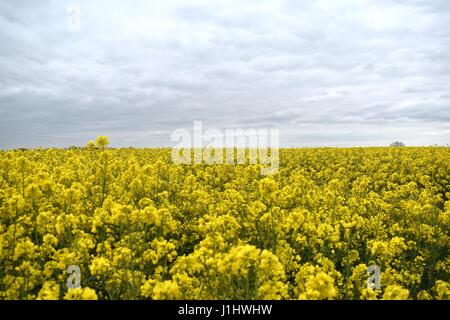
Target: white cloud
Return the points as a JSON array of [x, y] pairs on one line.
[[345, 72]]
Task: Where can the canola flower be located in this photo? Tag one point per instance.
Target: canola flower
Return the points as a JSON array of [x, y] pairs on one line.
[[140, 227]]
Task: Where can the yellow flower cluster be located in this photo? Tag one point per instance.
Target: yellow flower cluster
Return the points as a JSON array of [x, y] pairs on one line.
[[140, 227]]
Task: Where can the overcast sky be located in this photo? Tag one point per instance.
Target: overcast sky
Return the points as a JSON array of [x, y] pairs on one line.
[[334, 73]]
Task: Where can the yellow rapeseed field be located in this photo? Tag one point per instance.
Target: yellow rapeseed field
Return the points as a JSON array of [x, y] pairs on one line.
[[140, 227]]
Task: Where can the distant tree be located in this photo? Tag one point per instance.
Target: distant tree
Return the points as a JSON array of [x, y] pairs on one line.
[[397, 144]]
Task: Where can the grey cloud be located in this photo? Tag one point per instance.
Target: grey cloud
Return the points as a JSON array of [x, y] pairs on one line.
[[137, 71]]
